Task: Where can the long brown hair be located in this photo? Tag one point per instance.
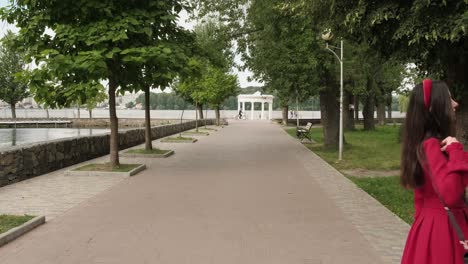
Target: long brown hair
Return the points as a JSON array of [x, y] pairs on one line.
[[437, 120]]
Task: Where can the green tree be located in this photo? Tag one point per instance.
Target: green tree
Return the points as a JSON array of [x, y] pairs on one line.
[[191, 88], [403, 102], [281, 53], [12, 88], [92, 102], [282, 50], [218, 86], [93, 41], [213, 56], [163, 68], [432, 34], [130, 104]]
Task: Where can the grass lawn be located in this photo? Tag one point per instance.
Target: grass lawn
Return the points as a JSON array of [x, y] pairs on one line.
[[107, 167], [387, 191], [196, 133], [144, 151], [180, 138], [8, 222], [371, 150]]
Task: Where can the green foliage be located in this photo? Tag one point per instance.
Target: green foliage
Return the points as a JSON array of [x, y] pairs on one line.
[[12, 88], [282, 51], [130, 105], [121, 41], [214, 44], [93, 102], [430, 33], [132, 44], [403, 102], [212, 84], [218, 85]]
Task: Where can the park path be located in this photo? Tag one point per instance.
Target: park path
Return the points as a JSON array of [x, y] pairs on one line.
[[248, 193]]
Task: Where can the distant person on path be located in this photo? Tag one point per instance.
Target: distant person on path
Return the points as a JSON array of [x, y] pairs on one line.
[[240, 113], [435, 166]]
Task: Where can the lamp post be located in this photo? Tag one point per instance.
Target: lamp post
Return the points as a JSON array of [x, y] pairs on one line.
[[327, 36]]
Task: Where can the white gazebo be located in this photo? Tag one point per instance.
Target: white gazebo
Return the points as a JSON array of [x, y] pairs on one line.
[[257, 97]]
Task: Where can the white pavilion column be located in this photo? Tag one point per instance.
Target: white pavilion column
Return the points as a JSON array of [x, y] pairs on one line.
[[238, 105], [263, 108], [243, 108], [252, 111], [270, 110]]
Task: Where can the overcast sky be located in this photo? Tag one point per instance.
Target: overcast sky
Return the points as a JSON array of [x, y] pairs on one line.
[[242, 76]]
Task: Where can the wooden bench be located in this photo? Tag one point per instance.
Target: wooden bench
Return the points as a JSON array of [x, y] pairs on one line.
[[304, 132]]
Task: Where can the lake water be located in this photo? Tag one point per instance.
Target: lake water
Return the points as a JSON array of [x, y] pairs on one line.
[[20, 136]]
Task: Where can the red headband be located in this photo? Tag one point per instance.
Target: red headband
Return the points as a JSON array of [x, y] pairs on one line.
[[427, 87]]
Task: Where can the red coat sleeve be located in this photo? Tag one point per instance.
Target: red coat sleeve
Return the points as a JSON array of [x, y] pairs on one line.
[[448, 173]]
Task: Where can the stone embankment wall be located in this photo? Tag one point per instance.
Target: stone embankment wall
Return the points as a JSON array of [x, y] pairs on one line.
[[123, 122], [27, 161], [81, 122]]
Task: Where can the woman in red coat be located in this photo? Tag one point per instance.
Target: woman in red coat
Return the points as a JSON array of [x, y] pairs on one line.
[[431, 156]]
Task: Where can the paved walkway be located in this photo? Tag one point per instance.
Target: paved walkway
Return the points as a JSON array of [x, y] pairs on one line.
[[248, 193]]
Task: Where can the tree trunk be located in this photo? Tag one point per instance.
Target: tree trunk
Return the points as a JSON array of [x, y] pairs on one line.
[[218, 115], [462, 120], [368, 113], [285, 114], [456, 77], [389, 106], [79, 113], [381, 113], [13, 110], [348, 112], [114, 125], [181, 116], [356, 109], [369, 106], [200, 111], [329, 111], [297, 111], [196, 116], [90, 113], [47, 113], [148, 142], [206, 115]]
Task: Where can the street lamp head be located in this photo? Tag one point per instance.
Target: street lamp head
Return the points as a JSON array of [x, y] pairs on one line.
[[327, 35]]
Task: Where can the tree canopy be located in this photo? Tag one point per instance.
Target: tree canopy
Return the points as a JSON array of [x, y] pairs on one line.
[[12, 88], [94, 41]]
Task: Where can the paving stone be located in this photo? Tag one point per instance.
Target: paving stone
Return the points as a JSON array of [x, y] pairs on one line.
[[247, 194]]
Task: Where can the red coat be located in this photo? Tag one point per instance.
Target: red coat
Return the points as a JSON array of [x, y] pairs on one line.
[[432, 240]]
